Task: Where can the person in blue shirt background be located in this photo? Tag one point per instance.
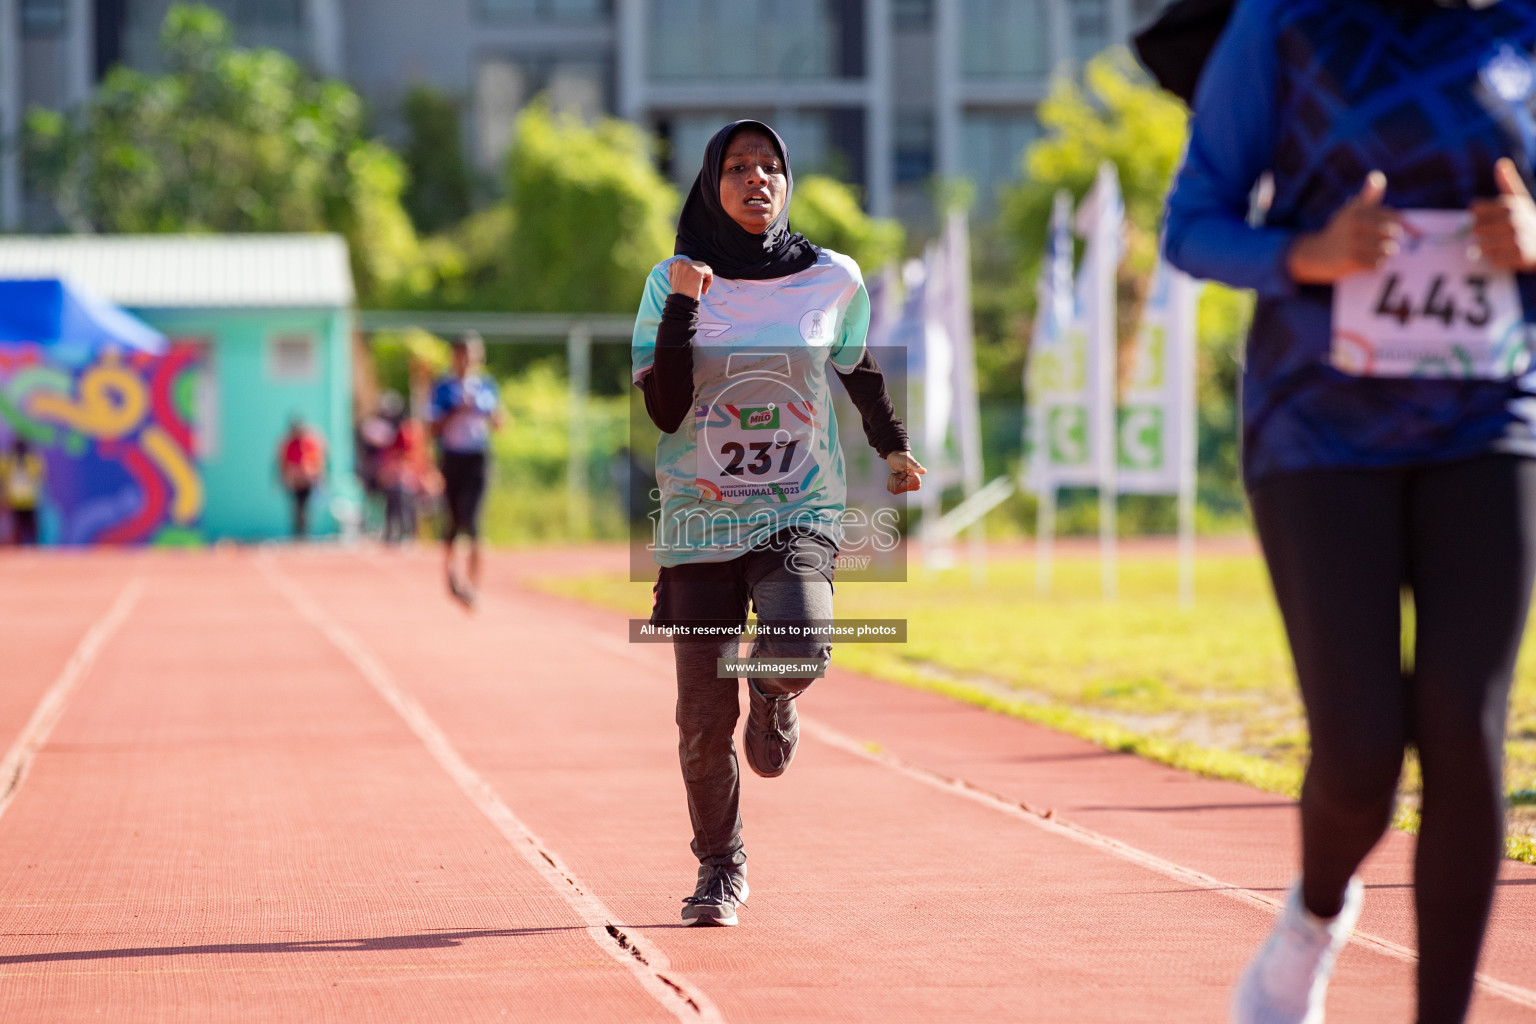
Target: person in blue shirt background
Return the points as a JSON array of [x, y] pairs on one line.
[[1388, 410], [466, 409]]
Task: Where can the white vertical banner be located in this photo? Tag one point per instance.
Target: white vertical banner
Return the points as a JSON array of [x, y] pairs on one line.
[[1158, 407], [930, 358], [1072, 371], [954, 301], [1158, 400], [956, 249], [1101, 221], [1056, 376], [935, 327]]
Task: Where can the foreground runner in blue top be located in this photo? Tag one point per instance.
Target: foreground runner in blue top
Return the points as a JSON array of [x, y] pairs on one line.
[[1387, 423], [731, 347]]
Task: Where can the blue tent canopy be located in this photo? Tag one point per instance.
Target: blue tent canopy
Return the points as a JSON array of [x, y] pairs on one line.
[[53, 312]]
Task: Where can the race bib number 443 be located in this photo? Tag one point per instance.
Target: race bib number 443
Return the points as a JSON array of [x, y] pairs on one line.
[[1435, 309]]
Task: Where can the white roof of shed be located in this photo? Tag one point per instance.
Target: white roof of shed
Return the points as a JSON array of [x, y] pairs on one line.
[[190, 271]]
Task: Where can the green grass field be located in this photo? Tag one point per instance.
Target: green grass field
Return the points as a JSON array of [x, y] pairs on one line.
[[1208, 688]]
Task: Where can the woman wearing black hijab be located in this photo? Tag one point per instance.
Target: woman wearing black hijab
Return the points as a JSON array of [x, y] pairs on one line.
[[731, 348]]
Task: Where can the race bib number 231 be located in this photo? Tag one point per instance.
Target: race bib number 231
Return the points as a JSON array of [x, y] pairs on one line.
[[1435, 309]]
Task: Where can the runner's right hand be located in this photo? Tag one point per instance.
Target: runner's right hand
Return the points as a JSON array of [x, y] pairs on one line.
[[690, 278], [1361, 235]]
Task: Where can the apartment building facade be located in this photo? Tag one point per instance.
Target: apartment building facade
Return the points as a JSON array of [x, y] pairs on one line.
[[884, 93]]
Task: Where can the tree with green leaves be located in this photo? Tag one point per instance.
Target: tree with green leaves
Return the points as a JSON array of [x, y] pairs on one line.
[[1118, 114], [226, 139], [828, 213], [439, 192], [590, 214]]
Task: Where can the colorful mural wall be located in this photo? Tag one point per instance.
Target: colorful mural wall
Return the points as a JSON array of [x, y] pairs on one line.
[[115, 430]]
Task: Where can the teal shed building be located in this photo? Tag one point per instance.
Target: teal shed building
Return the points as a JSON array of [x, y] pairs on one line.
[[269, 319]]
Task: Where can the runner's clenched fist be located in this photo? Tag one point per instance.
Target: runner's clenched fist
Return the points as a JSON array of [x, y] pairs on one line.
[[690, 278], [906, 473]]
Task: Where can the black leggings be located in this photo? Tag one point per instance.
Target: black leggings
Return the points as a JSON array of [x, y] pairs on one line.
[[1342, 546], [464, 475]]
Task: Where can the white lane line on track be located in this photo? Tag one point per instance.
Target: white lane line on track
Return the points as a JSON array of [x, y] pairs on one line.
[[1050, 822], [643, 959], [1078, 833], [18, 760]]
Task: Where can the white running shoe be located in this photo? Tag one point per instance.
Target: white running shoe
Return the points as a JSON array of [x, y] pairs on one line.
[[1286, 982]]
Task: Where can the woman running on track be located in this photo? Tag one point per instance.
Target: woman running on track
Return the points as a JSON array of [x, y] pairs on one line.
[[1388, 430], [466, 409], [731, 347]]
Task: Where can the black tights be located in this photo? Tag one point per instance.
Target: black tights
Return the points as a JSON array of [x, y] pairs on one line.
[[1342, 546]]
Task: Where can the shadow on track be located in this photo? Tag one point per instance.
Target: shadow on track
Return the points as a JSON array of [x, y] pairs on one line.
[[427, 940]]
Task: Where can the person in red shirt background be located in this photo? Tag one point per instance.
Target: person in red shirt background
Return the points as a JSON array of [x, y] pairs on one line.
[[407, 475], [301, 464]]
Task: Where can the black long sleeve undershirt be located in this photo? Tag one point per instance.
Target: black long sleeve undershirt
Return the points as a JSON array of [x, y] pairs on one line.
[[668, 388], [865, 384]]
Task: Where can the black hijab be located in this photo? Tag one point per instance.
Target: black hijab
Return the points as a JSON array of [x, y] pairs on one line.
[[707, 233]]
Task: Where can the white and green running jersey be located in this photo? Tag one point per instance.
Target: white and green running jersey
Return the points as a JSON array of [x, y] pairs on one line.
[[760, 452]]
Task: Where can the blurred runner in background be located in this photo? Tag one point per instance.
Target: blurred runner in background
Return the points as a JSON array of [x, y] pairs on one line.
[[465, 409], [408, 478], [301, 464], [375, 433], [21, 485], [1389, 424]]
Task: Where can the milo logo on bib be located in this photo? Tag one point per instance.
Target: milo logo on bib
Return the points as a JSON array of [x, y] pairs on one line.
[[764, 418]]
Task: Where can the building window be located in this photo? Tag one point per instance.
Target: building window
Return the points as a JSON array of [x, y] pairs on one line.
[[1005, 39], [992, 149], [914, 148], [279, 24], [42, 19], [293, 359], [505, 85], [1090, 28], [546, 10], [782, 40], [912, 15]]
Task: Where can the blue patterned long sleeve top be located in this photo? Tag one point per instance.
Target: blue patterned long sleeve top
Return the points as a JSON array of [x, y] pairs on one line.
[[1318, 93]]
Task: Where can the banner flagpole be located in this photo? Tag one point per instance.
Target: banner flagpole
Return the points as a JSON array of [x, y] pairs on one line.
[[1184, 312]]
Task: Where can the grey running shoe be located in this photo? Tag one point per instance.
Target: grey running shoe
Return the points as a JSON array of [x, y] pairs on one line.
[[714, 901], [773, 730]]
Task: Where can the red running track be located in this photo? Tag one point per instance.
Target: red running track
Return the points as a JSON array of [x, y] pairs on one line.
[[304, 786]]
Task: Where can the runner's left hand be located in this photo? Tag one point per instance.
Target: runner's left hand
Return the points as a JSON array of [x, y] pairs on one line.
[[1504, 227], [906, 473]]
